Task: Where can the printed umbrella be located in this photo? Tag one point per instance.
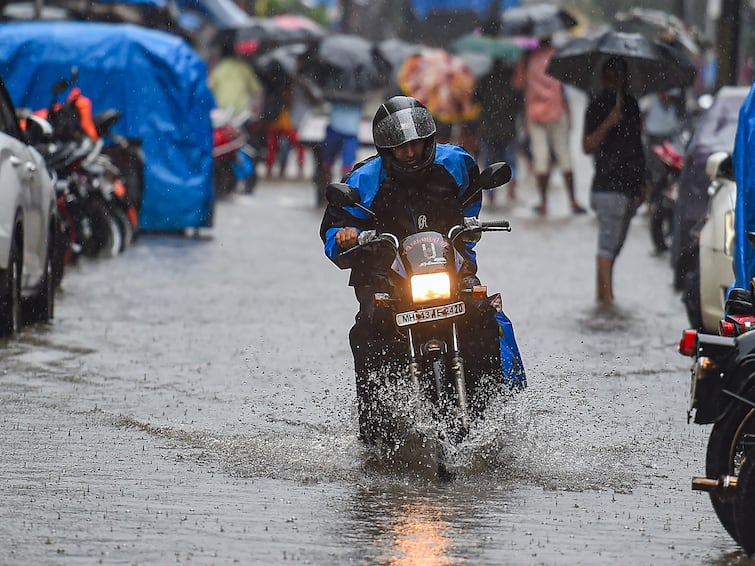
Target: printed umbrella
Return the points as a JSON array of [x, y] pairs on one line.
[[653, 66], [345, 66], [442, 82], [535, 20]]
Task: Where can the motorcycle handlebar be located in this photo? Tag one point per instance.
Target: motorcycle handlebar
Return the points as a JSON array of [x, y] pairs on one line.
[[496, 224]]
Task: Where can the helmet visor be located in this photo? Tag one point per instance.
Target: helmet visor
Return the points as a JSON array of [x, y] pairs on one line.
[[405, 125]]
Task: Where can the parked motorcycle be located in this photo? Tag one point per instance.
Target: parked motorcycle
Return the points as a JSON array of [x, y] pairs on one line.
[[666, 167], [723, 394], [428, 299], [234, 157], [92, 199]]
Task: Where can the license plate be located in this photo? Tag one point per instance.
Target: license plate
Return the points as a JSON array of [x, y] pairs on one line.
[[430, 314]]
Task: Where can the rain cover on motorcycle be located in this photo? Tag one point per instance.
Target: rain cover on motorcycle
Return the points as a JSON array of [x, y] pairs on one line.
[[155, 78]]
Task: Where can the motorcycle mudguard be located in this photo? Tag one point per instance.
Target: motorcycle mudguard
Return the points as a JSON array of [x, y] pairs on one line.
[[511, 360], [243, 165]]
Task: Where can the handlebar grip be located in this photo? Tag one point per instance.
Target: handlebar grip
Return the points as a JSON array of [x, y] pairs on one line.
[[495, 224]]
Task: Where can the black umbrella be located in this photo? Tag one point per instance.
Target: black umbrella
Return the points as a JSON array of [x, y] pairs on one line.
[[535, 20], [345, 66], [653, 66], [654, 23], [257, 35]]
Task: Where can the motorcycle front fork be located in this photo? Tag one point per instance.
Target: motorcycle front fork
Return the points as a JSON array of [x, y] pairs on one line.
[[456, 367]]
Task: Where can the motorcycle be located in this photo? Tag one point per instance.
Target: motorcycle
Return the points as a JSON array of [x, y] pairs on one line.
[[92, 198], [234, 157], [427, 300], [665, 169], [722, 393]]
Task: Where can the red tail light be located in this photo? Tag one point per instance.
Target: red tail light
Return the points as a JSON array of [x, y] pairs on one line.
[[726, 328], [688, 343]]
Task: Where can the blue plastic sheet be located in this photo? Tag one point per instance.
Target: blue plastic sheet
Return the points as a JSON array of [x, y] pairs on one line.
[[511, 360], [155, 78], [744, 214]]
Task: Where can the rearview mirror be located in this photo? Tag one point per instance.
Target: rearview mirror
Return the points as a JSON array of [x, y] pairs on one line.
[[341, 194], [495, 175]]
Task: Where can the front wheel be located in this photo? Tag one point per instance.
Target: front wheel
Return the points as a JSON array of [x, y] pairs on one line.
[[41, 307], [10, 300], [725, 455]]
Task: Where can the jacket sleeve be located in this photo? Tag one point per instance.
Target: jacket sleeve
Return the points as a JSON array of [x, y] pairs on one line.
[[366, 179]]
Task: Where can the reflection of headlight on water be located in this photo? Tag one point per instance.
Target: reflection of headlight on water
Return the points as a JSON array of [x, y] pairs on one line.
[[419, 535], [430, 286]]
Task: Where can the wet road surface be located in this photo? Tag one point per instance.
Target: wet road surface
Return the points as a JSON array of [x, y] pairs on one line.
[[193, 402]]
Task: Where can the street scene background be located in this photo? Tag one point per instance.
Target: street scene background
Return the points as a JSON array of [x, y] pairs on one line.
[[193, 401]]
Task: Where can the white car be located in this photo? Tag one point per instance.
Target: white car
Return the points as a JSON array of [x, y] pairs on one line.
[[28, 225], [716, 248]]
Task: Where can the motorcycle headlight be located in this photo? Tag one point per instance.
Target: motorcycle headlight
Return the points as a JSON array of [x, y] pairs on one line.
[[430, 286]]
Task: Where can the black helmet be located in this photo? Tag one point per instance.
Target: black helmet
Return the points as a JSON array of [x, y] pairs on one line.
[[399, 120]]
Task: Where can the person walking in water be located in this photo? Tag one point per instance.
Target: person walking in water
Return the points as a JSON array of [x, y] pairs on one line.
[[547, 120], [613, 133]]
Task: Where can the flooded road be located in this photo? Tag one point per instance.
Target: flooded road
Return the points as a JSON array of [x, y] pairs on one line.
[[193, 402]]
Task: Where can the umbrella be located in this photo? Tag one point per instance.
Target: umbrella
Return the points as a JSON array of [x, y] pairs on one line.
[[653, 66], [345, 66], [535, 20], [442, 82], [258, 34], [495, 47], [397, 50], [653, 23]]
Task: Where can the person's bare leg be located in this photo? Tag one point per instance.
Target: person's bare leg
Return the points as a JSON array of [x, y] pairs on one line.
[[576, 208], [604, 288], [542, 185]]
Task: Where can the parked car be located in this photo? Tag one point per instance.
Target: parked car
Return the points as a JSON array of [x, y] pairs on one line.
[[716, 246], [28, 226], [715, 131]]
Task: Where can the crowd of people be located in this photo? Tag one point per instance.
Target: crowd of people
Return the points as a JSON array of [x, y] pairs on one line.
[[524, 119]]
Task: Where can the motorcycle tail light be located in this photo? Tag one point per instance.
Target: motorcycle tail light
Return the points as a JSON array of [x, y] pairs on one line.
[[688, 343], [430, 286], [726, 328]]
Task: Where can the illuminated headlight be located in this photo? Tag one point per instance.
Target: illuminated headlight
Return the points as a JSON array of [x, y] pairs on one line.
[[430, 286], [729, 233]]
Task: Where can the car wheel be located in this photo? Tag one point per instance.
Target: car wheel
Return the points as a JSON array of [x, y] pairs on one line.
[[41, 307], [10, 301]]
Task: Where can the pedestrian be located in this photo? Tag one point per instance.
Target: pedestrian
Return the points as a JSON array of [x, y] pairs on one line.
[[413, 183], [613, 133], [341, 140], [500, 107], [548, 122], [233, 82], [282, 128]]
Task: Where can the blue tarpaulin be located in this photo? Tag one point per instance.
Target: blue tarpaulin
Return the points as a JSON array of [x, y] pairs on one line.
[[155, 78], [744, 214], [423, 7]]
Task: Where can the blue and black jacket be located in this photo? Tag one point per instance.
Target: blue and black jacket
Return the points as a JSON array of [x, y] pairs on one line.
[[431, 200]]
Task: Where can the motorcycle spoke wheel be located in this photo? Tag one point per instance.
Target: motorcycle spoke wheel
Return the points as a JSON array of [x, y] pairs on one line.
[[725, 455], [744, 505]]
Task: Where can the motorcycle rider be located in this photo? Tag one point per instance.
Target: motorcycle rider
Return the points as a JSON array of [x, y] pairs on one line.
[[412, 184]]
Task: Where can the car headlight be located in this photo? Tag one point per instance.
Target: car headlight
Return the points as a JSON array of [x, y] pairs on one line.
[[430, 286], [729, 233]]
